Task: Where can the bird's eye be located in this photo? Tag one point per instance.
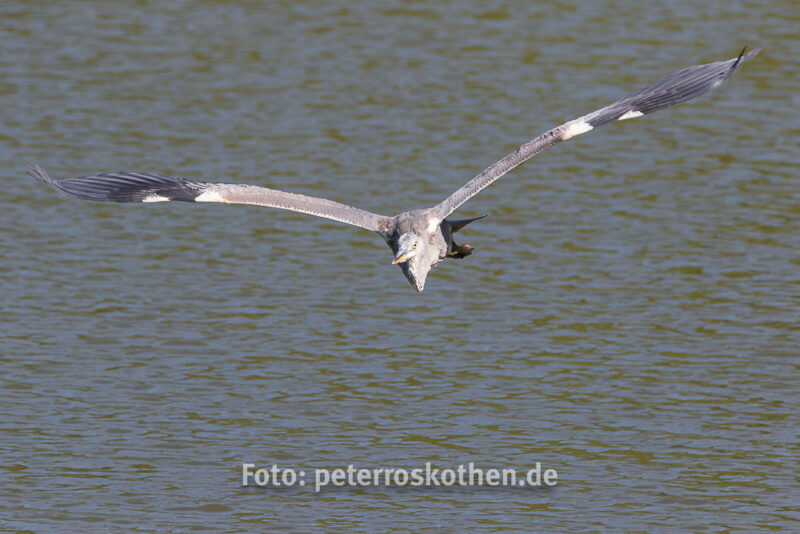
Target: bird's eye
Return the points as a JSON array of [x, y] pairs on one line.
[[415, 244]]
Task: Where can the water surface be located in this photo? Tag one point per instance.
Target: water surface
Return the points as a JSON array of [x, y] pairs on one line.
[[629, 318]]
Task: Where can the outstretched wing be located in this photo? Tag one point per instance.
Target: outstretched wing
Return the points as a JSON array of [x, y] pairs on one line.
[[146, 187], [673, 89]]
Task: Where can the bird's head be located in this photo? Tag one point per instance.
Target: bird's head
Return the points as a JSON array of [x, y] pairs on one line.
[[411, 258]]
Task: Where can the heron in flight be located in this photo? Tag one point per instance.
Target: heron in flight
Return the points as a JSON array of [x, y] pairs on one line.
[[418, 238]]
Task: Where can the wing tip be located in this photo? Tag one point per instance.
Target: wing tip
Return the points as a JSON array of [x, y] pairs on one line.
[[40, 174], [744, 58]]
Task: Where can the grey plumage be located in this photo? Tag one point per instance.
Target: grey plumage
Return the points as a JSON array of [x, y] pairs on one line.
[[148, 187], [418, 238], [670, 90]]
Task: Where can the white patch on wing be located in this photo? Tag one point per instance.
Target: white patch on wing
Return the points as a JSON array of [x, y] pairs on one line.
[[433, 225], [209, 196], [576, 127], [155, 198], [632, 114]]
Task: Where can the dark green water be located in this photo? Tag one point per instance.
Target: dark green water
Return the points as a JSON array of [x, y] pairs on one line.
[[629, 318]]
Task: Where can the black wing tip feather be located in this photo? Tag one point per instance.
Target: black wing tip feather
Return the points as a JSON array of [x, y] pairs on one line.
[[676, 88], [742, 59], [123, 186], [738, 59]]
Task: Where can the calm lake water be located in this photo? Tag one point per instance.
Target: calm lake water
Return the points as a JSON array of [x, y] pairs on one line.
[[629, 317]]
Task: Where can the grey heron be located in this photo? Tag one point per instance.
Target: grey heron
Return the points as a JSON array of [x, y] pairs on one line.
[[419, 238]]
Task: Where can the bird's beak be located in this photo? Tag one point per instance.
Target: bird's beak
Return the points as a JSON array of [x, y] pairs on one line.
[[403, 257]]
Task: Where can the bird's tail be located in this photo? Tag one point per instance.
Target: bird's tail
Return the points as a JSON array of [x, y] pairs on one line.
[[455, 226]]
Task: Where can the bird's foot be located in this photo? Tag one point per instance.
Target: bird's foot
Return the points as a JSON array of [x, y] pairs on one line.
[[459, 251]]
